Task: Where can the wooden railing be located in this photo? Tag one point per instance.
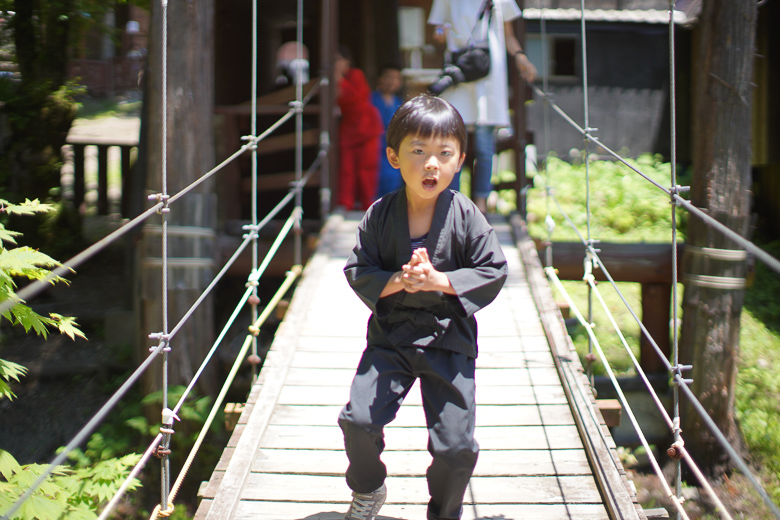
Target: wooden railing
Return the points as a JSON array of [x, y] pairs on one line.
[[79, 146]]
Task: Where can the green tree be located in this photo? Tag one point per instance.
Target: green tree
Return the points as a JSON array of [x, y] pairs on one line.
[[73, 492], [39, 106]]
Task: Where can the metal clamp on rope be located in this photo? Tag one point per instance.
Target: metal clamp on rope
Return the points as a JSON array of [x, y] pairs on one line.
[[588, 131], [677, 371], [163, 340], [254, 278], [675, 193], [251, 140], [253, 231], [159, 197], [296, 105]]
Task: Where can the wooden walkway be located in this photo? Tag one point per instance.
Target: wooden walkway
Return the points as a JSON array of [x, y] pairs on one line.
[[286, 461]]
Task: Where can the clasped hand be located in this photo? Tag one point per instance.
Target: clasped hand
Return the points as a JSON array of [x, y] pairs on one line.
[[419, 274]]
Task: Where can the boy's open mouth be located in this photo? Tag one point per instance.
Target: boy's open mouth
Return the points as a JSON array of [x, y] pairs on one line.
[[430, 182]]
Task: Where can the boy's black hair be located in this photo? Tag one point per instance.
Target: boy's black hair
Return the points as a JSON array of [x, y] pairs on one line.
[[388, 66], [426, 116]]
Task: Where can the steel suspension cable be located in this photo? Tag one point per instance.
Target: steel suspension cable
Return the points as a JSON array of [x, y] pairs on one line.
[[589, 329], [254, 277], [88, 428], [735, 457], [253, 174], [166, 429], [299, 133], [672, 424], [673, 176], [289, 279], [37, 286]]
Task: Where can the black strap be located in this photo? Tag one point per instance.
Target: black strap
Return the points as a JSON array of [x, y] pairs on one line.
[[487, 7]]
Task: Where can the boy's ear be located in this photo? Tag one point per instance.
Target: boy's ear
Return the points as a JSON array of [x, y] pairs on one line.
[[392, 157], [462, 160]]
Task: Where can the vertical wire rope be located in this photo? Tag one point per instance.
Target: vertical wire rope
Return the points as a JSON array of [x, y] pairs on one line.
[[165, 461], [299, 132], [253, 174], [673, 159], [586, 138], [546, 134]]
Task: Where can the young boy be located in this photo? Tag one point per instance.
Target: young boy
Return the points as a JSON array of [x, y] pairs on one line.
[[425, 261], [385, 99]]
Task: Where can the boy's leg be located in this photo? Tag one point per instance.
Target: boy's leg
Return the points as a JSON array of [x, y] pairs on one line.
[[448, 391], [382, 381]]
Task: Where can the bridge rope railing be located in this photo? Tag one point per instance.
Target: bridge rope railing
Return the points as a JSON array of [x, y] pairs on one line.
[[592, 261], [162, 202]]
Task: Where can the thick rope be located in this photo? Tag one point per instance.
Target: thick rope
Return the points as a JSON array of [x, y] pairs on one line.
[[589, 329], [82, 435], [291, 276], [669, 422]]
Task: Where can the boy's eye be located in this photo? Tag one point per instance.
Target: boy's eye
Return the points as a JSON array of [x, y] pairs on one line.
[[447, 153]]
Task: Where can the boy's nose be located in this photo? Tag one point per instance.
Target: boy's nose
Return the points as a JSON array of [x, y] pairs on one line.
[[432, 163]]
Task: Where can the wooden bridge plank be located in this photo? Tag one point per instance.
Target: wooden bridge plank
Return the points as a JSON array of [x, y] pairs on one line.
[[488, 395], [414, 462], [410, 438], [410, 415], [414, 490], [261, 510]]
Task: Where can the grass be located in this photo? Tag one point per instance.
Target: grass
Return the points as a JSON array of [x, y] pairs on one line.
[[96, 108], [627, 208]]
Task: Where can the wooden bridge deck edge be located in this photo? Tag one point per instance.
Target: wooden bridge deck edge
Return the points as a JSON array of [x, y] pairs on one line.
[[217, 496], [617, 492]]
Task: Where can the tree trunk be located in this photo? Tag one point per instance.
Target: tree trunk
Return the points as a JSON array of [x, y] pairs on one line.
[[722, 91], [192, 219]]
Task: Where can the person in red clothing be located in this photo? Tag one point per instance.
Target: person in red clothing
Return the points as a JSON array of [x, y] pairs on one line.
[[359, 133]]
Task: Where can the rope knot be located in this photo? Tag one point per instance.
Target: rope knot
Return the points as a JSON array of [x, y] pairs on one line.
[[254, 330], [675, 451], [167, 512]]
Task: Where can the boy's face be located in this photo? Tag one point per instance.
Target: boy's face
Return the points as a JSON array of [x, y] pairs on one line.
[[427, 164], [390, 81]]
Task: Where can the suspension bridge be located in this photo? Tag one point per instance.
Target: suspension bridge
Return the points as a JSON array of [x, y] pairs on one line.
[[539, 429], [546, 450]]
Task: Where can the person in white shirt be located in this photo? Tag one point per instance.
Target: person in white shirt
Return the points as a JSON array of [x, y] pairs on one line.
[[483, 104]]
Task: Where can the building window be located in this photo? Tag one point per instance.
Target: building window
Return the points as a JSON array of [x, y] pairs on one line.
[[561, 54]]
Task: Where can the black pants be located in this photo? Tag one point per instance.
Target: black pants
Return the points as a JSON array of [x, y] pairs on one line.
[[384, 377]]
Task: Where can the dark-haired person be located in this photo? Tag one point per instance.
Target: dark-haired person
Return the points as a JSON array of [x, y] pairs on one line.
[[385, 99], [425, 261]]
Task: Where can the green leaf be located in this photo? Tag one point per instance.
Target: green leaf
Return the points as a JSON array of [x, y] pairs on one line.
[[8, 235], [9, 371], [8, 465], [67, 325], [28, 207], [26, 261]]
